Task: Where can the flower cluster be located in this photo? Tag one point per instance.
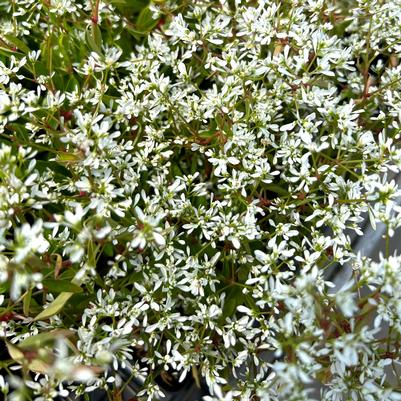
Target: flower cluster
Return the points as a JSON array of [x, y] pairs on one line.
[[177, 181]]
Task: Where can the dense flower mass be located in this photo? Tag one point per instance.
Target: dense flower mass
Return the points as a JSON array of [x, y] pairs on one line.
[[177, 180]]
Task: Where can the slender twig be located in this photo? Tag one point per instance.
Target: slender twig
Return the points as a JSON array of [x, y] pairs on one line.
[[95, 13]]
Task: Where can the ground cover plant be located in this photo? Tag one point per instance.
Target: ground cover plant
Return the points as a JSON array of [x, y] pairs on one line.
[[176, 180]]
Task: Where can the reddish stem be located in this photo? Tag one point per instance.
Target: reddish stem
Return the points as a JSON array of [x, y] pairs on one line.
[[95, 13]]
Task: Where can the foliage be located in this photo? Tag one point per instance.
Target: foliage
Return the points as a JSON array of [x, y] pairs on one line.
[[177, 179]]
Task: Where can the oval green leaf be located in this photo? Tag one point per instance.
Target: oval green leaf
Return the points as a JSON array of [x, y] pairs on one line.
[[55, 307]]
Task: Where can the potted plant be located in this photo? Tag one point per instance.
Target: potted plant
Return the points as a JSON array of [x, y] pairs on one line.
[[177, 180]]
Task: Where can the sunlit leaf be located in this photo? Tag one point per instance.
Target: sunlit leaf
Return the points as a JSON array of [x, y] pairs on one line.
[[55, 307]]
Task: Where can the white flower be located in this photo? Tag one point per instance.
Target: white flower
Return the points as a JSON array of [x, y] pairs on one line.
[[29, 239], [200, 171], [147, 230], [75, 219], [5, 102]]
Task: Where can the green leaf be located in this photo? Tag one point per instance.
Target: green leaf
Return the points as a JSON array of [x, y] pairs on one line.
[[94, 38], [36, 263], [91, 253], [59, 265], [68, 274], [18, 43], [56, 168], [243, 273], [276, 188], [36, 365], [8, 52], [4, 287], [65, 157], [137, 35], [27, 302], [34, 307], [108, 250], [72, 84], [55, 307], [41, 339], [54, 285], [132, 5], [16, 354], [233, 299], [145, 22], [39, 366], [176, 171]]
